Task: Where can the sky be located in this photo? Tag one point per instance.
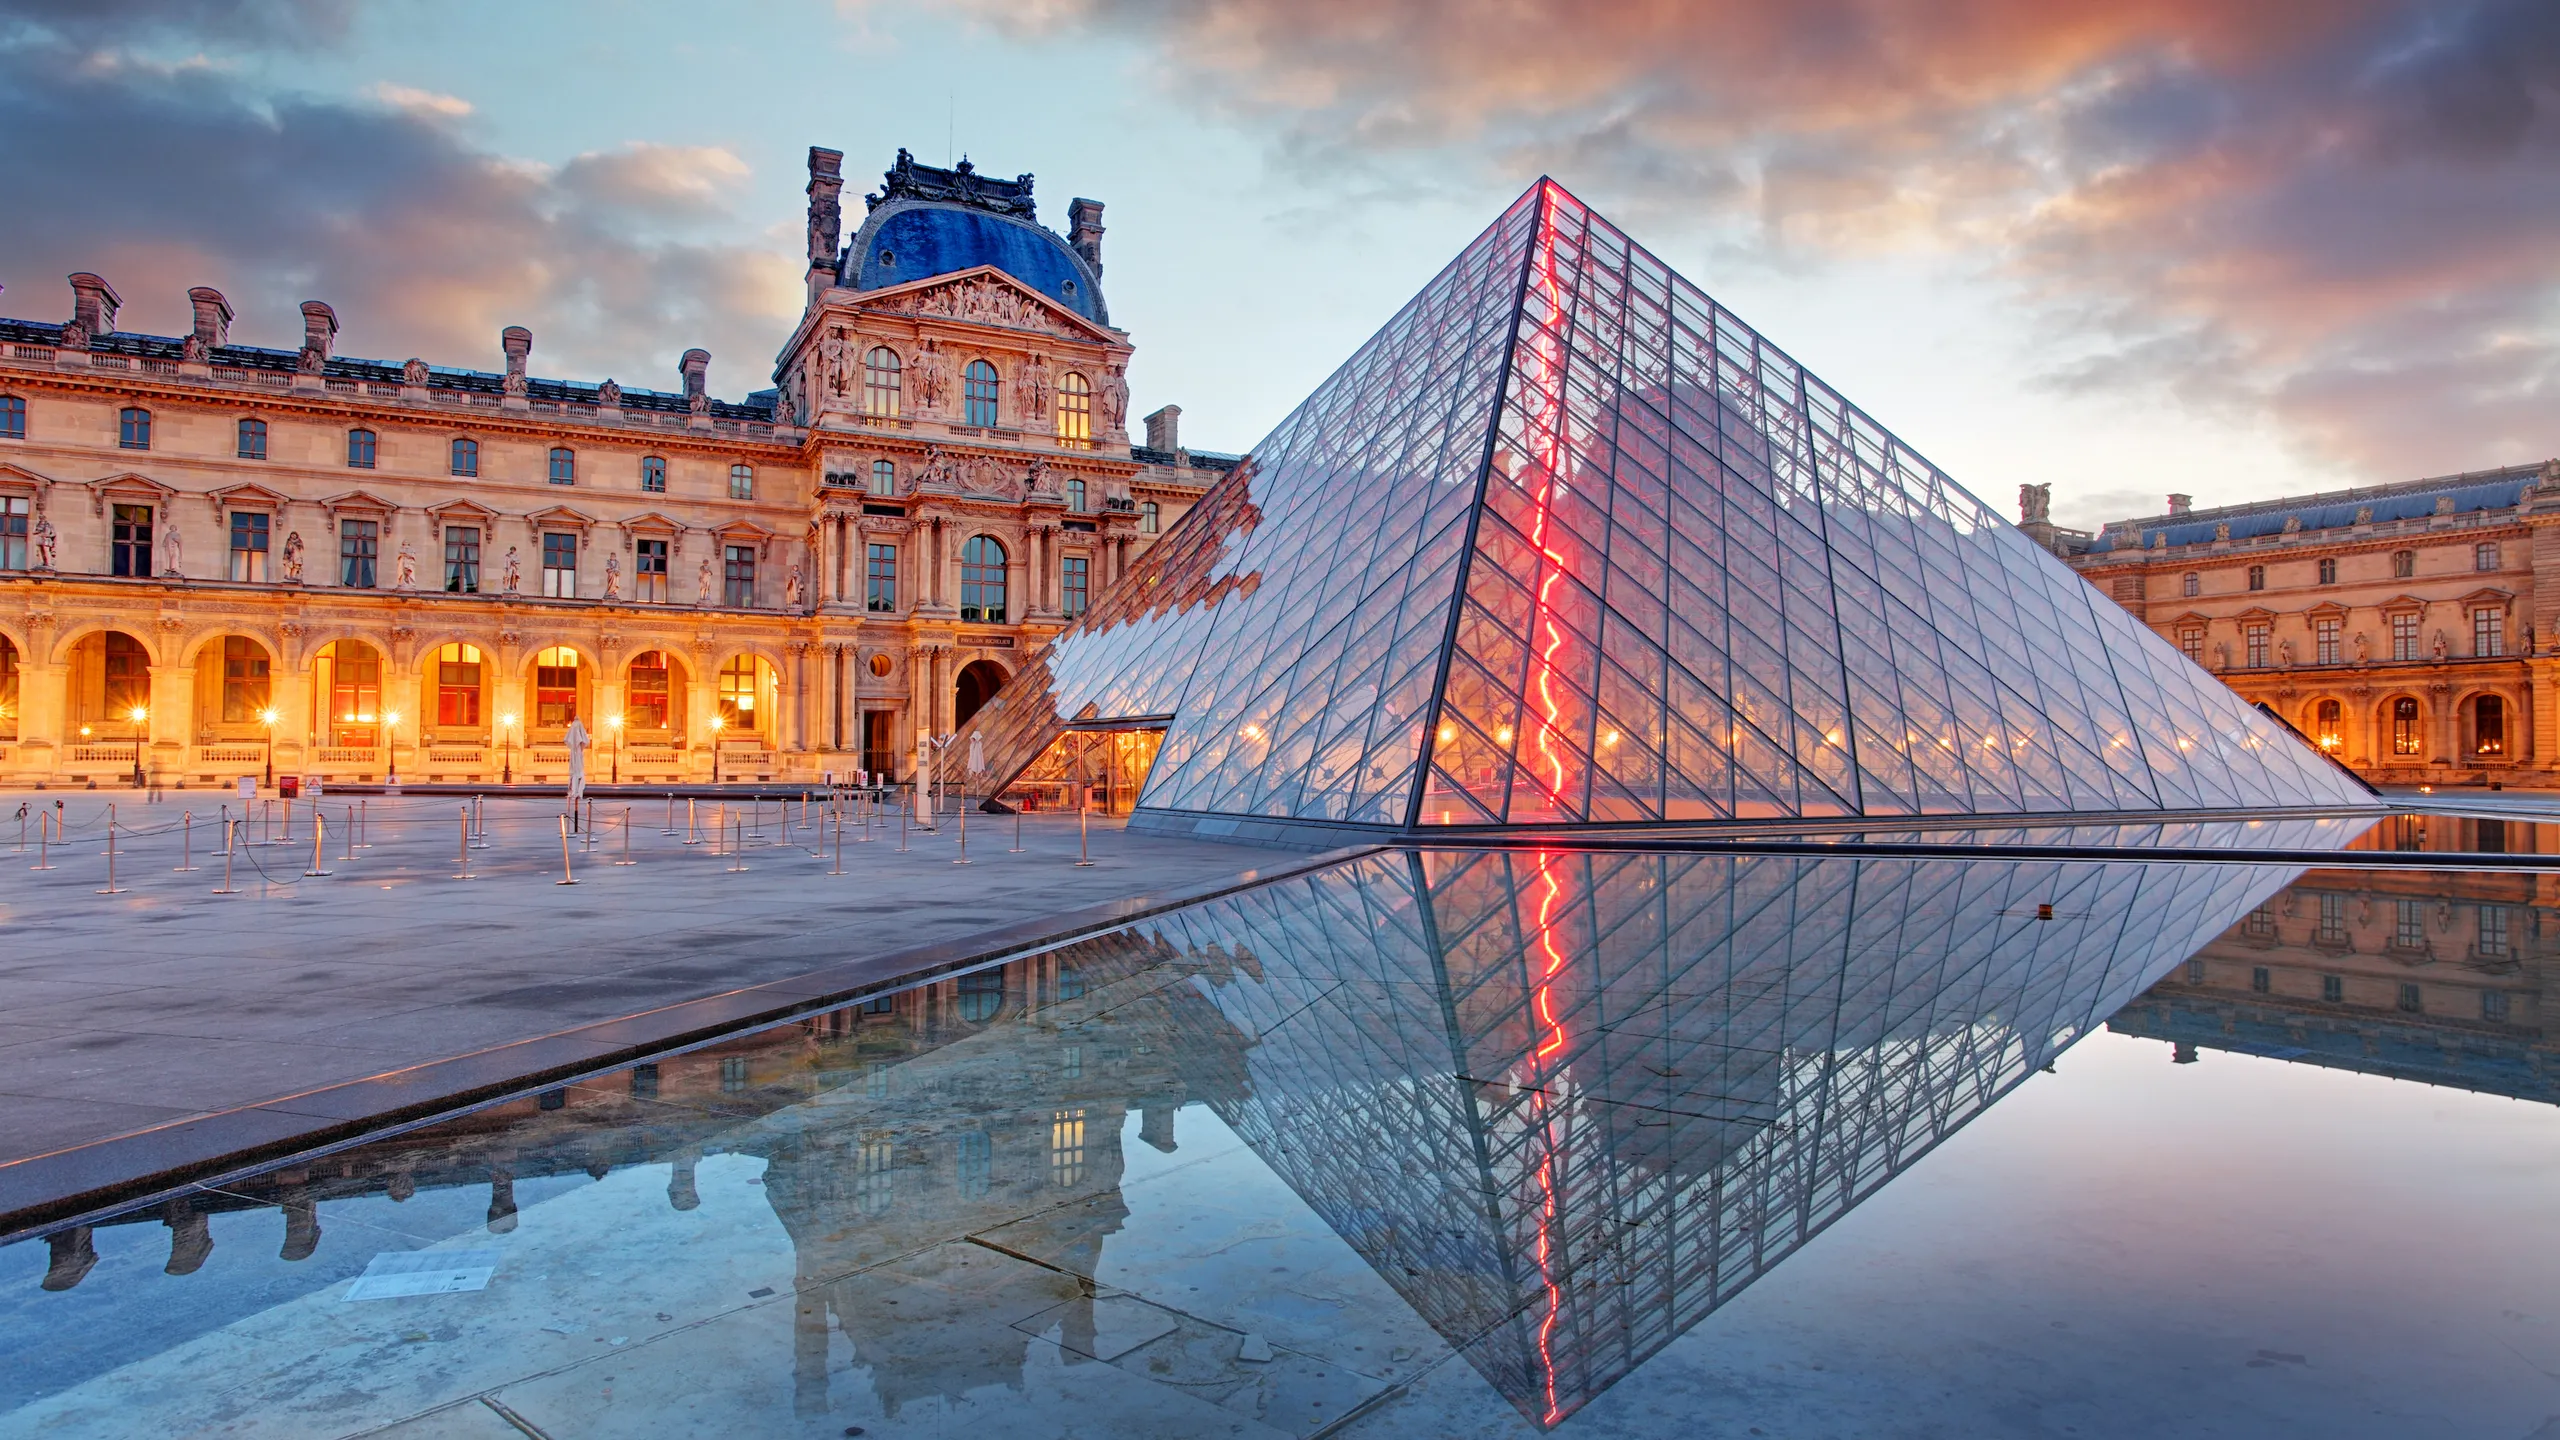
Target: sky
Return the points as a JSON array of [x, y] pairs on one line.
[[2233, 251]]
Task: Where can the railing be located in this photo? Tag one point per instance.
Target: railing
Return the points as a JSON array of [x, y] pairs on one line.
[[107, 362], [31, 352], [442, 756], [350, 754], [229, 754], [102, 754]]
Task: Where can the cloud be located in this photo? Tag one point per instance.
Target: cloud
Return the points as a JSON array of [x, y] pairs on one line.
[[425, 104], [2343, 215], [424, 244]]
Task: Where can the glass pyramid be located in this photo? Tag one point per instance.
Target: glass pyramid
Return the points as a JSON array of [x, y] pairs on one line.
[[1566, 543]]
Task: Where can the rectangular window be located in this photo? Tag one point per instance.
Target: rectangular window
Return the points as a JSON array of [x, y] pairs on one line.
[[1072, 588], [128, 682], [360, 449], [1075, 496], [2408, 930], [555, 694], [2325, 640], [2404, 637], [1066, 1147], [2333, 921], [2493, 1006], [564, 465], [2484, 556], [874, 1169], [649, 571], [2412, 1000], [253, 440], [2328, 572], [560, 567], [2257, 638], [738, 585], [881, 581], [466, 457], [359, 544], [2257, 577], [2192, 585], [884, 477], [133, 429], [976, 1164], [458, 692], [2191, 644], [245, 682], [131, 542], [2493, 932], [462, 560], [249, 529], [2260, 980], [1149, 517], [742, 482], [13, 418], [653, 474], [2488, 631], [13, 532], [2333, 988], [648, 707]]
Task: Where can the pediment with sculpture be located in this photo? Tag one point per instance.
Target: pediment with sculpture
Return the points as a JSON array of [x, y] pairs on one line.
[[987, 296]]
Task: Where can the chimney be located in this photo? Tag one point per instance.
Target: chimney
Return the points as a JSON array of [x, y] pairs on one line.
[[93, 304], [213, 316], [1164, 429], [826, 214], [2181, 504], [319, 327], [695, 366], [517, 341], [1084, 231]]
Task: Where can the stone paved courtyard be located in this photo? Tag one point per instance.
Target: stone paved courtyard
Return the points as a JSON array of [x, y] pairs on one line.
[[121, 1012]]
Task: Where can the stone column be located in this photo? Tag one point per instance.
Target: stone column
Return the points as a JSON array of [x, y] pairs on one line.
[[849, 698], [798, 679]]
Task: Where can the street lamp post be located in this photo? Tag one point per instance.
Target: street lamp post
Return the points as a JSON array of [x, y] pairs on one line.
[[613, 726], [138, 715], [716, 724], [391, 723], [268, 717], [507, 741]]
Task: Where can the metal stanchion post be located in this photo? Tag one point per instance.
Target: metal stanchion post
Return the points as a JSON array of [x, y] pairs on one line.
[[186, 843], [22, 830], [670, 827], [347, 847], [230, 842], [1084, 825], [44, 835], [626, 839], [964, 829], [590, 830], [478, 822], [319, 839], [902, 828], [566, 876], [692, 832], [839, 844], [757, 811], [737, 856], [465, 873], [1017, 832], [287, 836], [364, 813], [112, 887]]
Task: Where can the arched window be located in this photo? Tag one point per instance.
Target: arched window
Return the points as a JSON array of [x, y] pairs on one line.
[[2193, 585], [653, 474], [2488, 726], [742, 686], [2257, 577], [1075, 495], [458, 686], [2328, 725], [555, 687], [245, 680], [2404, 726], [650, 703], [1075, 410], [8, 687], [881, 383], [982, 581], [351, 676], [981, 995], [978, 391], [466, 457], [564, 465], [252, 440], [742, 482], [884, 477], [1149, 517], [133, 428], [361, 445], [2404, 563]]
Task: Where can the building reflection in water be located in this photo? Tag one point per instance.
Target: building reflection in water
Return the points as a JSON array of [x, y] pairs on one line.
[[1565, 1104]]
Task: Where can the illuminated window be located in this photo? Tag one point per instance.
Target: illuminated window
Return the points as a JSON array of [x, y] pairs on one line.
[[1066, 1147], [741, 680], [465, 459], [351, 676], [361, 448], [978, 387], [133, 428], [982, 580], [245, 680], [1075, 410], [2328, 725], [2488, 726], [880, 383], [458, 686], [555, 687], [2404, 726], [649, 705], [251, 443]]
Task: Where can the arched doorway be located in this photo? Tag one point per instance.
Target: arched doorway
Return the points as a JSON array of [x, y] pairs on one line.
[[349, 676], [8, 688], [978, 682]]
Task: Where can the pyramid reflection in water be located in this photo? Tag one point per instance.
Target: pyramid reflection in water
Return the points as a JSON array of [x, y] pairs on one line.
[[1569, 1104], [1567, 543]]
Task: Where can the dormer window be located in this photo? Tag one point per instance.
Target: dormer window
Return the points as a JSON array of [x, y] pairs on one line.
[[888, 260]]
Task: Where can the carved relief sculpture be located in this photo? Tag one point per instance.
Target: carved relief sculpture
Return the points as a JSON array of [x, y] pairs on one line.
[[609, 395], [414, 372]]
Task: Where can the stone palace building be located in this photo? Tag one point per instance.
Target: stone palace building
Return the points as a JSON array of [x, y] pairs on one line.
[[217, 556], [2401, 627]]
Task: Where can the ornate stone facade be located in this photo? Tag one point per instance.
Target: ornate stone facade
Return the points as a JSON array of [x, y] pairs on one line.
[[213, 555]]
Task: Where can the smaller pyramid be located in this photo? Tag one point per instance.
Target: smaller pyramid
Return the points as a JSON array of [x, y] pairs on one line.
[[1567, 544]]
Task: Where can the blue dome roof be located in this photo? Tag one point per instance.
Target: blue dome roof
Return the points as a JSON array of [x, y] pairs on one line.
[[904, 241]]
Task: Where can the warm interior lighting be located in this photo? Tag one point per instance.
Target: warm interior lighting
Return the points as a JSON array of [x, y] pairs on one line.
[[1502, 736], [1608, 737], [1448, 733]]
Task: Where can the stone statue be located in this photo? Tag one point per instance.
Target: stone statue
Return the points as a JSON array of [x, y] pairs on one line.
[[2222, 530], [75, 336], [612, 576], [937, 469], [699, 405], [515, 384], [609, 395], [194, 350], [312, 361], [2222, 655], [2035, 504], [1036, 478], [791, 587], [407, 576], [2438, 647], [2284, 653], [414, 372], [782, 407], [703, 591], [514, 573], [1114, 397], [292, 563], [833, 372], [2364, 645], [1034, 380], [933, 376], [173, 552], [46, 540]]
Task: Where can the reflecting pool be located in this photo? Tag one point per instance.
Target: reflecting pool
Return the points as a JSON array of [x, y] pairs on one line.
[[1456, 1143]]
